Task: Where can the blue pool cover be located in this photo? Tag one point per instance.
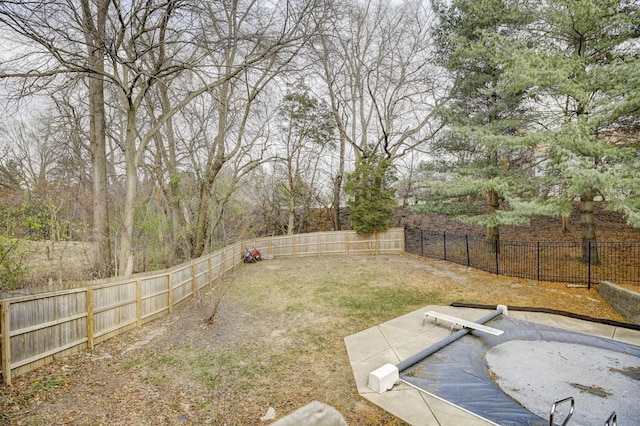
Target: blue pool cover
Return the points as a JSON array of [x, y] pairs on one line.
[[459, 374]]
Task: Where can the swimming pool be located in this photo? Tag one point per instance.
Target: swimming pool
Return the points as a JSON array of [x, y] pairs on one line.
[[465, 383], [514, 378]]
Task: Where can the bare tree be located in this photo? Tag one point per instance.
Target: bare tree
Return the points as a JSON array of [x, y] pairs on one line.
[[138, 61], [165, 169], [376, 63], [379, 72], [147, 65], [94, 30], [260, 41], [51, 40]]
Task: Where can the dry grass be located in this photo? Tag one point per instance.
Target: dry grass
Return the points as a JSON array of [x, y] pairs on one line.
[[51, 263], [277, 340]]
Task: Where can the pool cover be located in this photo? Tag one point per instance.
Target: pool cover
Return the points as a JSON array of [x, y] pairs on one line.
[[537, 365]]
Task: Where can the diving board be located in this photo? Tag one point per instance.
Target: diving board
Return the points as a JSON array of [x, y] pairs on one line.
[[462, 322]]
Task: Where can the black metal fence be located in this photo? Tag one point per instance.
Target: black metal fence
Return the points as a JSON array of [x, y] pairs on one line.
[[570, 262]]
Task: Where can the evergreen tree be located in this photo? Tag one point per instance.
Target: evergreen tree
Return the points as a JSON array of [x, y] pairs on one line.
[[372, 205], [308, 128], [582, 75], [483, 150], [556, 79]]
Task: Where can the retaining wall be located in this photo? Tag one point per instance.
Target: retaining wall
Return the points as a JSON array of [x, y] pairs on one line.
[[623, 300]]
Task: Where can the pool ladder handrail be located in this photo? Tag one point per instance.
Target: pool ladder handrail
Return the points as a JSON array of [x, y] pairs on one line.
[[612, 420], [553, 410]]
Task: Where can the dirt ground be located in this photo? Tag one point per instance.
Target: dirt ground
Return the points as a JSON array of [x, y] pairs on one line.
[[609, 225], [277, 341]]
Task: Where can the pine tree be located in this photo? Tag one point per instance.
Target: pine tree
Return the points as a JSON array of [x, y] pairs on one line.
[[372, 205], [582, 75], [307, 127], [483, 150], [556, 79]]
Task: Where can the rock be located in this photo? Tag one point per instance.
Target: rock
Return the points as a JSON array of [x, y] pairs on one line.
[[155, 333], [101, 355], [270, 415], [313, 414]]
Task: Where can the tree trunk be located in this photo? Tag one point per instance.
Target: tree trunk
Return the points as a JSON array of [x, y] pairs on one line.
[[101, 231], [333, 98], [169, 155], [94, 34], [168, 177], [125, 257], [493, 232], [214, 165], [291, 218], [203, 218], [337, 187], [588, 228]]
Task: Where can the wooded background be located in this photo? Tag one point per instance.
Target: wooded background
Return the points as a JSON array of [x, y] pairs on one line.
[[163, 130]]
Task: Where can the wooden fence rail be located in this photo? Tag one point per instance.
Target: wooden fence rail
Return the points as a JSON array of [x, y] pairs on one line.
[[35, 329]]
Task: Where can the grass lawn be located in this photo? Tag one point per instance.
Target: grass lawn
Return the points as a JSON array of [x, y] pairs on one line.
[[276, 340]]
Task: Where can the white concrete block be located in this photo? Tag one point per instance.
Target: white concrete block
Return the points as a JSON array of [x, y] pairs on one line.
[[383, 379], [504, 310]]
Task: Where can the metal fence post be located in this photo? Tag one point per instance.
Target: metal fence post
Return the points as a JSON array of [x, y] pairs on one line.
[[444, 243], [466, 239], [538, 261], [497, 249], [589, 268]]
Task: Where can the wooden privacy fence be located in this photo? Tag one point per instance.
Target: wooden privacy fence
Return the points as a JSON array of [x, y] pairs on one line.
[[35, 329]]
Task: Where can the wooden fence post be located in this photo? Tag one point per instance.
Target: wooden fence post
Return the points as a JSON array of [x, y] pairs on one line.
[[404, 235], [139, 303], [209, 270], [170, 288], [6, 340], [194, 284], [346, 242], [89, 302], [223, 262]]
